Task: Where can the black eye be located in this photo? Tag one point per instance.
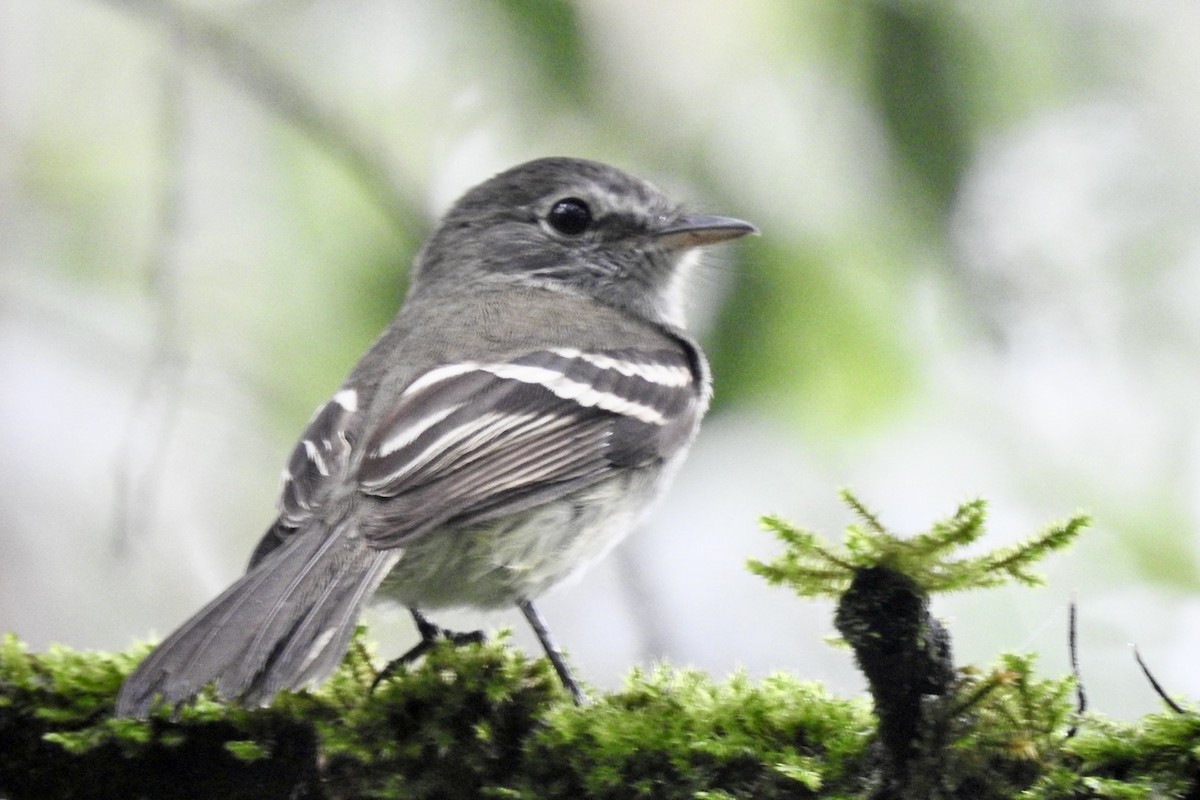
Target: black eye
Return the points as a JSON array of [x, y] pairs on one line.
[[570, 216]]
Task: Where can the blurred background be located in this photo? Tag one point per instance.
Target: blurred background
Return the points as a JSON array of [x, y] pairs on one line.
[[977, 275]]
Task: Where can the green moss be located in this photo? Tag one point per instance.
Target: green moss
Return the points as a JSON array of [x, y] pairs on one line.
[[247, 751], [465, 722], [486, 721], [677, 729], [812, 567], [1155, 757], [458, 719]]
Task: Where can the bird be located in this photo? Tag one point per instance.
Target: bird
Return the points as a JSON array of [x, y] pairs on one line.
[[532, 397]]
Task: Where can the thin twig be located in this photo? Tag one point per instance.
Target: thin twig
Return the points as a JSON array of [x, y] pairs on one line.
[[1178, 709], [248, 67], [1073, 646], [160, 382]]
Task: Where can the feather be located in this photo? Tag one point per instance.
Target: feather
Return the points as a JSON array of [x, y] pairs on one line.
[[284, 624]]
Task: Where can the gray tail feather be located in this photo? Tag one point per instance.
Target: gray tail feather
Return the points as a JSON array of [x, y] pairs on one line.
[[283, 625]]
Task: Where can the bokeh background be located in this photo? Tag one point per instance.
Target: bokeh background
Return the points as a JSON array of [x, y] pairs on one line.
[[978, 275]]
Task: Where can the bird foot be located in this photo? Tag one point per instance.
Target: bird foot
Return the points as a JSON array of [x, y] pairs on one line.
[[430, 634]]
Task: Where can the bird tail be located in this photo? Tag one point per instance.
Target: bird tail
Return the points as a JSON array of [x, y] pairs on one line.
[[286, 623]]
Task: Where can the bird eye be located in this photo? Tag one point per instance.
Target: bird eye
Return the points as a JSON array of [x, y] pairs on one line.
[[570, 216]]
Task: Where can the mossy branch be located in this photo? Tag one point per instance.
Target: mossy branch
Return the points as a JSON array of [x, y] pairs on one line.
[[474, 721], [486, 721]]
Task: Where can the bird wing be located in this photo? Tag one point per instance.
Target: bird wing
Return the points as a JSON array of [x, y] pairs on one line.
[[474, 440]]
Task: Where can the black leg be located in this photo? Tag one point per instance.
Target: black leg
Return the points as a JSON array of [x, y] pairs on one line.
[[430, 633], [552, 651]]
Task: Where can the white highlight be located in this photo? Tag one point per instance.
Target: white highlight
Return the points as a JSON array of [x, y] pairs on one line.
[[314, 455], [407, 435], [581, 393], [670, 300], [482, 428], [347, 399], [319, 644], [662, 374], [438, 375]]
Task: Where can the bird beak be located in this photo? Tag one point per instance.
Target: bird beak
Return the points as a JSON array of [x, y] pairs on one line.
[[697, 230]]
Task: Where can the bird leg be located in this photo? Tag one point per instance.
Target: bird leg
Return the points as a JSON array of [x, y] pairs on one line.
[[552, 652], [430, 633]]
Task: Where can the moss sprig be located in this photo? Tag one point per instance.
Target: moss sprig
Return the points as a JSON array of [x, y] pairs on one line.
[[814, 567]]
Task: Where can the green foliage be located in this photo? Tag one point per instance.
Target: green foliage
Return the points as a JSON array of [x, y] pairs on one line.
[[63, 689], [58, 737], [1005, 727], [476, 721], [834, 362], [459, 719], [677, 729], [920, 77], [813, 568], [992, 736], [1156, 757], [1015, 713], [486, 721], [553, 36], [247, 751]]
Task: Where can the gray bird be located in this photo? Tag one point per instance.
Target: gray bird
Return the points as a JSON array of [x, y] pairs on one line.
[[531, 398]]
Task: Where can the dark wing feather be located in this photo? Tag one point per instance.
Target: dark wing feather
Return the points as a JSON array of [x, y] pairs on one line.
[[318, 464], [284, 624], [473, 441]]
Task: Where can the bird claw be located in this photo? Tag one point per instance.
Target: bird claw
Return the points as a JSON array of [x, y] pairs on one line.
[[430, 634]]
